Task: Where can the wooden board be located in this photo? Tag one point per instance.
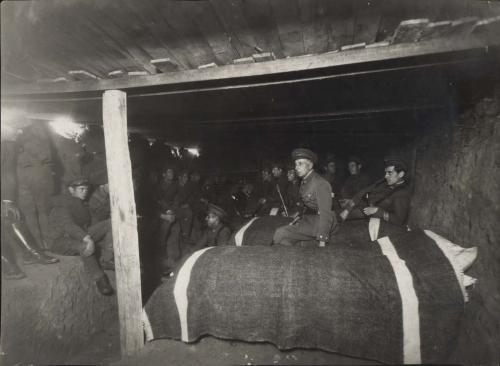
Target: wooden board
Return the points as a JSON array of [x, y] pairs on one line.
[[287, 15], [263, 26], [314, 26], [124, 221]]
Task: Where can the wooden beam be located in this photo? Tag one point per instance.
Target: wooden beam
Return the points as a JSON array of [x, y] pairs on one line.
[[292, 64], [124, 221]]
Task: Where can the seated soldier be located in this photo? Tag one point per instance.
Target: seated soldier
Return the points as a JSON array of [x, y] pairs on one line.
[[317, 221], [292, 192], [277, 195], [356, 181], [72, 234], [216, 233], [388, 200]]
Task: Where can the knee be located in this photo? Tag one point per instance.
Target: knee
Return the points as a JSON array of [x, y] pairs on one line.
[[280, 235]]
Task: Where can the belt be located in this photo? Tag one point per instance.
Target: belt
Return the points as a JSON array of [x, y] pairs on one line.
[[309, 211]]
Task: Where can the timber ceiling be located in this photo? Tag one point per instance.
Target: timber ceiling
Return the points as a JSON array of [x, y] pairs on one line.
[[85, 39]]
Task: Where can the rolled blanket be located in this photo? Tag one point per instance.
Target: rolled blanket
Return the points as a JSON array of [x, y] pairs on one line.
[[399, 301]]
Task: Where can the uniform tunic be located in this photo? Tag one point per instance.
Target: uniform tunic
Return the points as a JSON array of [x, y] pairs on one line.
[[318, 219]]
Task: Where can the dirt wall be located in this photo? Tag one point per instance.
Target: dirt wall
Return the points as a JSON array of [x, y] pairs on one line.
[[457, 194]]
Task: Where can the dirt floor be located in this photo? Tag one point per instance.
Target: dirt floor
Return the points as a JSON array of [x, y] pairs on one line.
[[211, 351]]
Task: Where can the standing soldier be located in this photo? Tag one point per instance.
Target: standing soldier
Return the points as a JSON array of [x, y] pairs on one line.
[[36, 180], [317, 220]]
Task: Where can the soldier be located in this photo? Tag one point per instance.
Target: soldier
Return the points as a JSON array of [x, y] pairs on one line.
[[216, 233], [13, 230], [72, 234], [317, 220], [36, 180], [388, 199], [331, 174], [356, 181], [292, 192], [277, 196]]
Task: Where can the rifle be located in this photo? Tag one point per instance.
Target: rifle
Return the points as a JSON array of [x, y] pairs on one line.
[[282, 200]]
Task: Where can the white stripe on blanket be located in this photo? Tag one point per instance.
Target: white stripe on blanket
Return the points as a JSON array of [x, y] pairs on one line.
[[459, 273], [180, 290], [409, 302], [373, 228], [238, 238], [148, 331]]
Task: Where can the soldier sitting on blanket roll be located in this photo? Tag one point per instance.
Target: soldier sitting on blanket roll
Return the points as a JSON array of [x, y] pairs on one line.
[[216, 233], [318, 220], [388, 199]]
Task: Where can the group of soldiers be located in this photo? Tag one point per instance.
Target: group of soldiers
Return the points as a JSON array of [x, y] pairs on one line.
[[178, 211]]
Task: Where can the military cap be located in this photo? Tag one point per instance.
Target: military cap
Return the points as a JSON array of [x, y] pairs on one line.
[[78, 181], [216, 210], [302, 153], [355, 159], [397, 162]]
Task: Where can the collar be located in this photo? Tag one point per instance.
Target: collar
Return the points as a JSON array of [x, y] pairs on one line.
[[307, 175]]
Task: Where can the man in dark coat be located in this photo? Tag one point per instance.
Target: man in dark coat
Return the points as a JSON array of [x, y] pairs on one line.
[[317, 220], [216, 233], [389, 200], [357, 179], [71, 232], [14, 231]]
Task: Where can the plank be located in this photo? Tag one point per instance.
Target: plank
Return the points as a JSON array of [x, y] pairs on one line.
[[165, 65], [105, 24], [262, 57], [244, 60], [435, 30], [208, 23], [314, 26], [367, 14], [123, 221], [341, 23], [263, 26], [288, 65], [79, 75], [409, 31], [176, 15], [287, 15], [230, 15]]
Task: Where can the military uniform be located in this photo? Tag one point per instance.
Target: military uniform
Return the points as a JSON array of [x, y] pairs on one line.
[[393, 203], [318, 219], [353, 184]]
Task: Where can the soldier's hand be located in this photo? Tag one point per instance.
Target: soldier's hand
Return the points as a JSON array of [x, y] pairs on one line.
[[89, 246], [322, 244], [370, 210], [9, 210], [262, 201], [343, 215]]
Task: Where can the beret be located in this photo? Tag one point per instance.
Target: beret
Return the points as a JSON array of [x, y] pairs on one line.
[[302, 153], [216, 210], [396, 161]]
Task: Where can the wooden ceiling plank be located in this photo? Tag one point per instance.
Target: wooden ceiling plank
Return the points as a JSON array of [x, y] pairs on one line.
[[263, 25], [314, 26], [176, 15], [105, 24], [165, 65], [151, 37], [215, 34], [367, 18], [287, 15], [341, 23], [230, 14], [409, 31]]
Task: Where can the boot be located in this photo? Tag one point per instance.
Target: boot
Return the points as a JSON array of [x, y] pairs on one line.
[[11, 270], [31, 253], [104, 286]]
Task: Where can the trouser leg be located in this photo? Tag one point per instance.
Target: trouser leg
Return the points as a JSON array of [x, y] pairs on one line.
[[304, 230], [9, 260], [28, 208], [72, 247], [102, 235], [173, 245]]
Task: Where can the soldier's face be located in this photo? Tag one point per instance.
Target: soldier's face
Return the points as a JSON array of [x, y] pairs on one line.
[[392, 176], [331, 167], [212, 220], [266, 175], [353, 167], [168, 175], [290, 175], [303, 166], [277, 172], [79, 192]]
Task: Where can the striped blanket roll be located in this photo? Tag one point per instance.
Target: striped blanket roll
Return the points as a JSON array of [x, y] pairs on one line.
[[260, 231], [400, 301]]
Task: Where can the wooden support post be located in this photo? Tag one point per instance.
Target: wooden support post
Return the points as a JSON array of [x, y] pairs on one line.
[[124, 221]]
